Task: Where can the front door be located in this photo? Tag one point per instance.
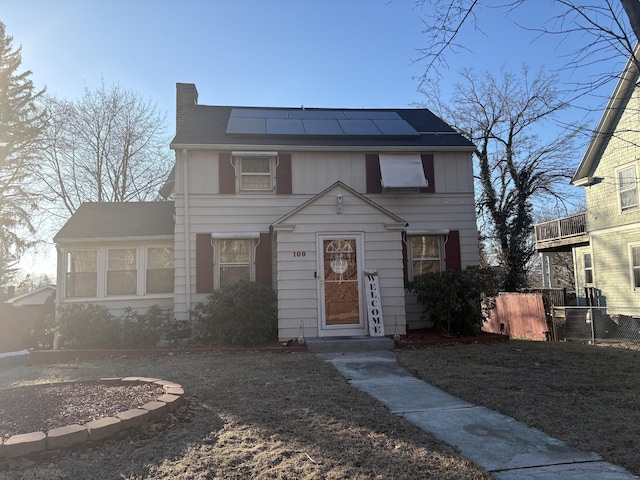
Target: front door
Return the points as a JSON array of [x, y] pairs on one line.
[[340, 271]]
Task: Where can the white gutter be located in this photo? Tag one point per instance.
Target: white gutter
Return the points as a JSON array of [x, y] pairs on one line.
[[187, 227], [336, 148]]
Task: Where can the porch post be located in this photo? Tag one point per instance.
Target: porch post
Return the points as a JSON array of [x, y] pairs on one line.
[[547, 270]]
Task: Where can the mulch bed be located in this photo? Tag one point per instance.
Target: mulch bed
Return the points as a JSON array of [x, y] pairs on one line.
[[428, 337]]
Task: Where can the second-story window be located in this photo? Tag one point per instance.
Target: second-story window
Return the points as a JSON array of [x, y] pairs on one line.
[[256, 174], [628, 188]]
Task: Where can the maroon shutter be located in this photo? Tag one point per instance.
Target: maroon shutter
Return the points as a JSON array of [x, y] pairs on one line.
[[427, 166], [226, 174], [405, 258], [452, 251], [372, 167], [204, 263], [283, 174], [263, 260]]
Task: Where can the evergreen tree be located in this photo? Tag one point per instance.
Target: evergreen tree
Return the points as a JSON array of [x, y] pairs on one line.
[[21, 125]]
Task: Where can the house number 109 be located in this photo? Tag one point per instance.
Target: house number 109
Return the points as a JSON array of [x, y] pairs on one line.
[[299, 254]]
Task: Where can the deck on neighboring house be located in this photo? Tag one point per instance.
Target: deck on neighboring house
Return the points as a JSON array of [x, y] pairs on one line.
[[562, 234]]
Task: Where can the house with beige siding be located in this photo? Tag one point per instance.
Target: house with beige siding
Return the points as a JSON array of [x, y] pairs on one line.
[[335, 209], [605, 240]]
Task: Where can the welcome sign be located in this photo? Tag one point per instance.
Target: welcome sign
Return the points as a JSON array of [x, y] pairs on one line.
[[374, 304]]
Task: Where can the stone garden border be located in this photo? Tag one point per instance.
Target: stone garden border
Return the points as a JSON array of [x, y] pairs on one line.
[[71, 435]]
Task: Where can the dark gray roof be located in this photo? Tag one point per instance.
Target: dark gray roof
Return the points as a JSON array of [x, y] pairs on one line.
[[205, 125], [118, 219]]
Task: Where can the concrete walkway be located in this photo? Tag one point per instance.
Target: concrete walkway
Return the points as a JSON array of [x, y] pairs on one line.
[[507, 449]]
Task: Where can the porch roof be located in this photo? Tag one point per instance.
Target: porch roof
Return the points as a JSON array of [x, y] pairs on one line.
[[117, 220]]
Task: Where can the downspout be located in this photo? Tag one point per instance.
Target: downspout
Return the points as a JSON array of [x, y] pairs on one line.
[[61, 269], [187, 231]]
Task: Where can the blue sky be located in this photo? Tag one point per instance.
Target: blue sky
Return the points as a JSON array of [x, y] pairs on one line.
[[321, 53]]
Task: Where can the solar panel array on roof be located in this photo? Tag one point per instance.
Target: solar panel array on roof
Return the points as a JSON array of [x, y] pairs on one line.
[[264, 121]]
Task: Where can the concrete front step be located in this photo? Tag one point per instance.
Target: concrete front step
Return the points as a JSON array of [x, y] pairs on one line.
[[348, 344]]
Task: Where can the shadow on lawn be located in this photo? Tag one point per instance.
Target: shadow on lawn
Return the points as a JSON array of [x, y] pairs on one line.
[[257, 416]]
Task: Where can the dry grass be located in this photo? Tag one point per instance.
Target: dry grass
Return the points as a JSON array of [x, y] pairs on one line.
[[264, 416], [587, 396]]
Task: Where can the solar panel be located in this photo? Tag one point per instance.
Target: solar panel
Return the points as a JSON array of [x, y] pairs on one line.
[[322, 127], [359, 127], [261, 121], [284, 126], [247, 125], [395, 127], [317, 114], [371, 115]]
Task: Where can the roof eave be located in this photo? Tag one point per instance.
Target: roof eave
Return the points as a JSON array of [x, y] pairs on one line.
[[331, 148], [106, 240], [625, 84]]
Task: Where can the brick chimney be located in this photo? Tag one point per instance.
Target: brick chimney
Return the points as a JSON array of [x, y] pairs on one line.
[[186, 97]]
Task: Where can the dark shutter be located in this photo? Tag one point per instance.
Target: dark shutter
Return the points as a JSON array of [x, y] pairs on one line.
[[263, 260], [283, 174], [405, 259], [452, 251], [372, 167], [226, 174], [427, 166], [204, 263]]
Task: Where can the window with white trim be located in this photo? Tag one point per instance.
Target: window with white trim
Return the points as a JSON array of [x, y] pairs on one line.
[[628, 188], [588, 269], [160, 270], [234, 259], [425, 254], [82, 273], [255, 173], [635, 266], [119, 271], [122, 271]]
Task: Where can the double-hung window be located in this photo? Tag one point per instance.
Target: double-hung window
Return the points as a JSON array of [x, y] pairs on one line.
[[235, 258], [628, 188], [588, 269], [82, 273], [160, 269], [255, 173], [425, 254], [122, 271], [635, 266]]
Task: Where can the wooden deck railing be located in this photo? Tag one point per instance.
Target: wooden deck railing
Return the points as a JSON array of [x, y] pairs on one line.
[[561, 228]]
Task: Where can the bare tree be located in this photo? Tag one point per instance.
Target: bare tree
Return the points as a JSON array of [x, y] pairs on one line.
[[607, 29], [516, 167], [109, 146]]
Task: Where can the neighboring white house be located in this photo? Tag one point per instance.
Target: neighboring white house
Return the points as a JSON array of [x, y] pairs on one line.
[[312, 202], [605, 240]]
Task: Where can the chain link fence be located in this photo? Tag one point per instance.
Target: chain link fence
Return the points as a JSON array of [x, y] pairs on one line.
[[603, 325]]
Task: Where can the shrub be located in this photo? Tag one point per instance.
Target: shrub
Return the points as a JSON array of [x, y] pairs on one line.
[[239, 314], [86, 325], [452, 299], [140, 330]]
